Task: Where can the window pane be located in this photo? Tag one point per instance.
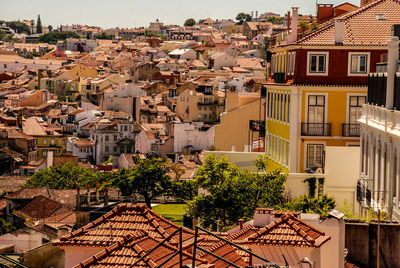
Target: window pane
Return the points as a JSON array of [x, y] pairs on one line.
[[313, 65], [321, 100], [354, 63], [312, 100], [363, 64], [321, 63], [353, 101]]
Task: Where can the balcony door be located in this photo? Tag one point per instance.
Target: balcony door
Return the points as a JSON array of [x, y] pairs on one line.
[[316, 116], [355, 108]]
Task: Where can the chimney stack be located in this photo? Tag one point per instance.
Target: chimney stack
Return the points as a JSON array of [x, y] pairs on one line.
[[241, 224], [338, 32], [288, 20], [393, 58], [295, 23]]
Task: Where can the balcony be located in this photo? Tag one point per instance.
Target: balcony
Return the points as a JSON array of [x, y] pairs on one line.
[[315, 129], [351, 130]]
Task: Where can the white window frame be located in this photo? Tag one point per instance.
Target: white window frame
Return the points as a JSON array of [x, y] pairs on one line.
[[349, 73], [293, 62], [312, 53]]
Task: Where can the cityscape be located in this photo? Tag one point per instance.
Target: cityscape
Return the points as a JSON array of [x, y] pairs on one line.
[[268, 139]]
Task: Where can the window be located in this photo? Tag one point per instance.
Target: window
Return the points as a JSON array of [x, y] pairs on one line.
[[115, 149], [115, 137], [5, 66], [355, 108], [106, 138], [44, 142], [358, 63], [52, 142], [317, 63], [44, 153], [314, 155], [106, 149], [125, 128], [316, 109]]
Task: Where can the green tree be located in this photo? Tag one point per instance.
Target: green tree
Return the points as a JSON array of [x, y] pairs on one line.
[[6, 227], [67, 176], [50, 28], [242, 17], [149, 179], [307, 204], [303, 25], [232, 193], [18, 27], [189, 22], [265, 53], [53, 37], [275, 20], [104, 36], [5, 37], [38, 25]]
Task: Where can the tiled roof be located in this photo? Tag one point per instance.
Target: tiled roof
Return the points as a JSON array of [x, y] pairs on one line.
[[123, 220], [244, 233], [41, 207], [361, 26], [289, 231], [224, 250], [131, 248]]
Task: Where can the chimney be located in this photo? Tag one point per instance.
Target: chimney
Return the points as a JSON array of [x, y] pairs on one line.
[[288, 20], [393, 58], [49, 162], [263, 216], [256, 13], [295, 23], [338, 31], [240, 224]]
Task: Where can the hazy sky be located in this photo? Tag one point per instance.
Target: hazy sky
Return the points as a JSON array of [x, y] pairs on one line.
[[134, 13]]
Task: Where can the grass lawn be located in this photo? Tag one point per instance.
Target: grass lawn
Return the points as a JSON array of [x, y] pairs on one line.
[[172, 212]]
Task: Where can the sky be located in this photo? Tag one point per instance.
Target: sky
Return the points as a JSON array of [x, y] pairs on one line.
[[135, 13]]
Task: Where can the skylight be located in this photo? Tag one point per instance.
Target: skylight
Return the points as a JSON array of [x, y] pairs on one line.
[[380, 16]]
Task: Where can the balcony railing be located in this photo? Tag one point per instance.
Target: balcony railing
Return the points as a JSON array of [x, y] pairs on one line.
[[315, 129], [351, 130]]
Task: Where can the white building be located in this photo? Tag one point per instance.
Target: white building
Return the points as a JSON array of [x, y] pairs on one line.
[[379, 183], [15, 63], [81, 147], [183, 54], [193, 134], [221, 59]]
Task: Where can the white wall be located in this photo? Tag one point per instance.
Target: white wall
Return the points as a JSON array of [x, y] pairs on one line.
[[342, 166], [189, 134]]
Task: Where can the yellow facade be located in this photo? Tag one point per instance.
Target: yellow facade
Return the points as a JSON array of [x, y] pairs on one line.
[[233, 131], [55, 143], [277, 127]]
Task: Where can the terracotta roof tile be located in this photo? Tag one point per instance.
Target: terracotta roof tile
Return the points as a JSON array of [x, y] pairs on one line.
[[121, 221], [361, 26], [289, 231]]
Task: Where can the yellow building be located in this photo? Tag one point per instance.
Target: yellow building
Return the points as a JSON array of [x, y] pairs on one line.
[[202, 104], [47, 139]]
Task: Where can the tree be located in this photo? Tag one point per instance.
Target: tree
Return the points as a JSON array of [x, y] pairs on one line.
[[265, 53], [275, 20], [189, 22], [307, 204], [6, 227], [149, 179], [67, 176], [232, 193], [53, 37], [303, 25], [5, 37], [38, 25], [50, 28], [242, 17], [18, 27], [104, 36]]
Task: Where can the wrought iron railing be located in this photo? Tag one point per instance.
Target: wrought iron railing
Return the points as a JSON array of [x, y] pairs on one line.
[[351, 130], [315, 129]]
